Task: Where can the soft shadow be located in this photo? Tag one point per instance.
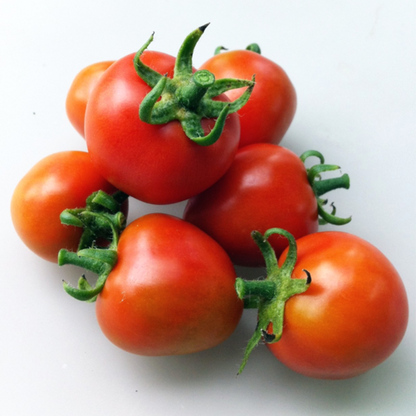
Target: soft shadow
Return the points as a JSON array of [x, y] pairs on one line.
[[220, 362]]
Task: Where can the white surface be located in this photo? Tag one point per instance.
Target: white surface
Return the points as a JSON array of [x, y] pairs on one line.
[[353, 65]]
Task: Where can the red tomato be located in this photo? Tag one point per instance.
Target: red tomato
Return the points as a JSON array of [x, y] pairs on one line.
[[266, 186], [272, 105], [59, 181], [79, 92], [158, 164], [353, 315], [171, 291]]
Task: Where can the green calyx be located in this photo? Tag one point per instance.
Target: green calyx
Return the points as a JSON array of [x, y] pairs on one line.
[[322, 186], [101, 219], [270, 295], [254, 47], [219, 49], [188, 96]]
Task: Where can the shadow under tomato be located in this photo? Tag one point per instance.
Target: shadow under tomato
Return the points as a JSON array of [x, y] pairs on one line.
[[220, 362]]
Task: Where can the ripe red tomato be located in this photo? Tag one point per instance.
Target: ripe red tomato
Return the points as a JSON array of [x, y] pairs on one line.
[[353, 315], [266, 186], [272, 105], [158, 164], [59, 181], [79, 92], [171, 291]]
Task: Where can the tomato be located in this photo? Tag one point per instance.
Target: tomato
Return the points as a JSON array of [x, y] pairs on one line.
[[353, 315], [155, 163], [266, 186], [79, 92], [171, 291], [59, 181], [272, 105], [332, 307]]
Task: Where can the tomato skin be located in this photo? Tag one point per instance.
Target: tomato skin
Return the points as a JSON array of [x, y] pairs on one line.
[[57, 182], [154, 163], [79, 93], [272, 105], [171, 291], [353, 315], [265, 187]]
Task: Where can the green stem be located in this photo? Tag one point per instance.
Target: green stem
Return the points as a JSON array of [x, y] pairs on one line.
[[188, 97], [191, 94], [270, 295], [327, 185], [322, 186], [260, 289], [101, 218]]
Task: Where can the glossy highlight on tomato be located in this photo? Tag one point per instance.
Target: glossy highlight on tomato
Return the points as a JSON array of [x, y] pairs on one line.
[[171, 291], [353, 315], [60, 180]]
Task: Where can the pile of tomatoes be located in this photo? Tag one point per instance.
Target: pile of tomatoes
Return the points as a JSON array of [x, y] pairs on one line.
[[159, 130]]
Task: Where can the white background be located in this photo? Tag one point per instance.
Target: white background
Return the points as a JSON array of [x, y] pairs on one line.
[[353, 65]]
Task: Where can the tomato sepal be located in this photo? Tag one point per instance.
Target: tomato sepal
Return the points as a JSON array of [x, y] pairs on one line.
[[101, 218], [221, 86], [97, 261], [322, 186], [104, 202], [219, 49], [254, 47], [188, 96], [270, 295]]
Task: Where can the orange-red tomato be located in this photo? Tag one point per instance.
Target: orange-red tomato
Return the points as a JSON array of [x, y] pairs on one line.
[[155, 163], [59, 181], [272, 104], [79, 93], [353, 315], [171, 291], [266, 186]]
